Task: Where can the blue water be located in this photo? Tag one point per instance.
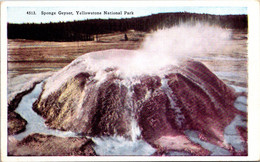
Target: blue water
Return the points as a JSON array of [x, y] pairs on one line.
[[35, 123]]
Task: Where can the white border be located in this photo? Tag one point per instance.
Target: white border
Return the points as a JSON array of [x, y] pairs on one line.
[[133, 3], [254, 80], [253, 86], [3, 82]]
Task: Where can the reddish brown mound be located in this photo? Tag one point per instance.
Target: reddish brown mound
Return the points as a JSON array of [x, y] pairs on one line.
[[186, 97]]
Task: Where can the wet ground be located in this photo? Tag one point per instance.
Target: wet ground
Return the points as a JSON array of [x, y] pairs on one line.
[[230, 62]]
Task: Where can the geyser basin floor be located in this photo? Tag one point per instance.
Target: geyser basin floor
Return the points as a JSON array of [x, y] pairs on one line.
[[100, 93]]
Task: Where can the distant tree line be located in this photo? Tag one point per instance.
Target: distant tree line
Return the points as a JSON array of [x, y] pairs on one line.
[[86, 29]]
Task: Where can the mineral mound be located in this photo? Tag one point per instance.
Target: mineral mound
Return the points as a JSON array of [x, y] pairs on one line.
[[97, 95]]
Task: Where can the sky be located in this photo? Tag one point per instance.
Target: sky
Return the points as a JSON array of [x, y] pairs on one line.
[[18, 14]]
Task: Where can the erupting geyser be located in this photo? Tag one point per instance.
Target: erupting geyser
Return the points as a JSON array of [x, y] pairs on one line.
[[111, 92]]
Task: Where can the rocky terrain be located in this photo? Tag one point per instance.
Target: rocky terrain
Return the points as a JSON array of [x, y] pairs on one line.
[[181, 109]]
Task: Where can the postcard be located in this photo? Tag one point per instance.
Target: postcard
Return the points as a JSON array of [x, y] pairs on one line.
[[129, 80]]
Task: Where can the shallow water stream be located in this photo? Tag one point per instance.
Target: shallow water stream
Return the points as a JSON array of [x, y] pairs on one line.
[[35, 123]]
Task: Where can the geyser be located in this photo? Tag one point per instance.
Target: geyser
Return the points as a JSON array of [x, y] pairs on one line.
[[104, 93]]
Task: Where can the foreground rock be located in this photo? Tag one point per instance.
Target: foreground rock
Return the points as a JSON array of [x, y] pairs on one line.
[[16, 123], [92, 96], [48, 145]]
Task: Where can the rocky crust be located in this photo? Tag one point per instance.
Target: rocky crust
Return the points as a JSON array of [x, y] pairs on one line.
[[187, 96], [244, 136], [16, 124], [48, 145]]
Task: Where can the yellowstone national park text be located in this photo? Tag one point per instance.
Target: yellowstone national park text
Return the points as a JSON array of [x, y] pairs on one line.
[[67, 13]]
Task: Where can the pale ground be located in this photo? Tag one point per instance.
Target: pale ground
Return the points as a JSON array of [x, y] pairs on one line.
[[27, 56]]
